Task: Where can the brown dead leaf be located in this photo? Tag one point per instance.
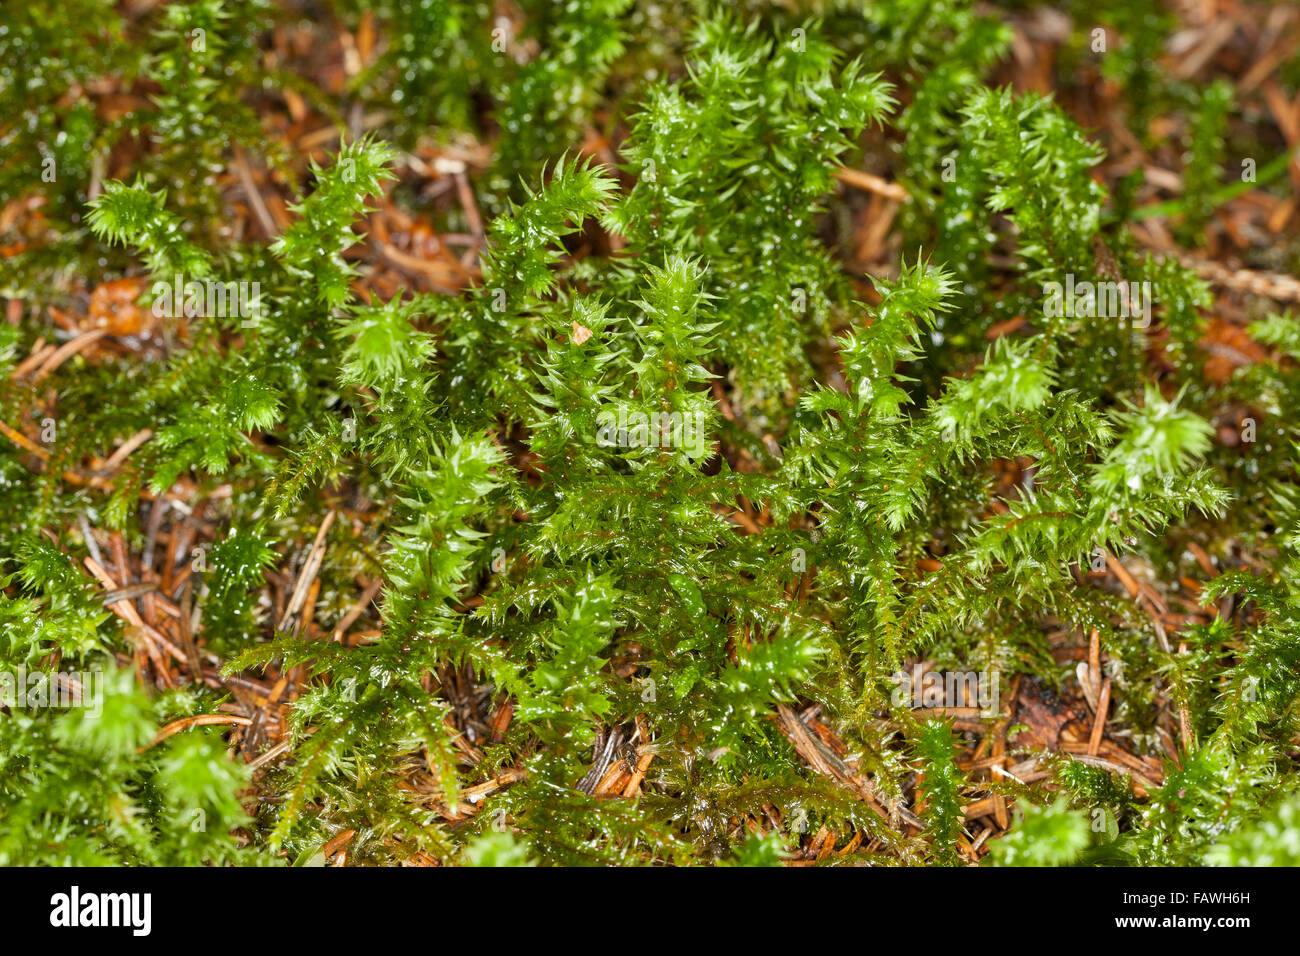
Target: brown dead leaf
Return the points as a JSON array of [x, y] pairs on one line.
[[114, 308]]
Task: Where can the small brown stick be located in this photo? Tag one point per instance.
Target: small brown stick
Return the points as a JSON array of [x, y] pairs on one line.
[[96, 185], [1267, 285], [501, 721], [187, 637], [467, 202], [642, 765], [198, 720], [89, 537], [154, 525], [120, 558], [1185, 725], [125, 449], [1090, 672], [745, 521], [1115, 755], [67, 350], [126, 610], [603, 754], [822, 759], [1094, 656], [41, 351], [872, 184], [130, 592], [1281, 50], [265, 758], [309, 607], [442, 274], [310, 568], [1135, 776], [1099, 720], [23, 442], [1121, 572], [1203, 559], [338, 843], [254, 195], [356, 610], [472, 797], [612, 781], [645, 753]]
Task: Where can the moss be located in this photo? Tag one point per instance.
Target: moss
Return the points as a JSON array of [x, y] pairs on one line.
[[641, 523]]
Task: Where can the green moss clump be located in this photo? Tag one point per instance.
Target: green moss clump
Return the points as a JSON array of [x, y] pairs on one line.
[[654, 509]]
